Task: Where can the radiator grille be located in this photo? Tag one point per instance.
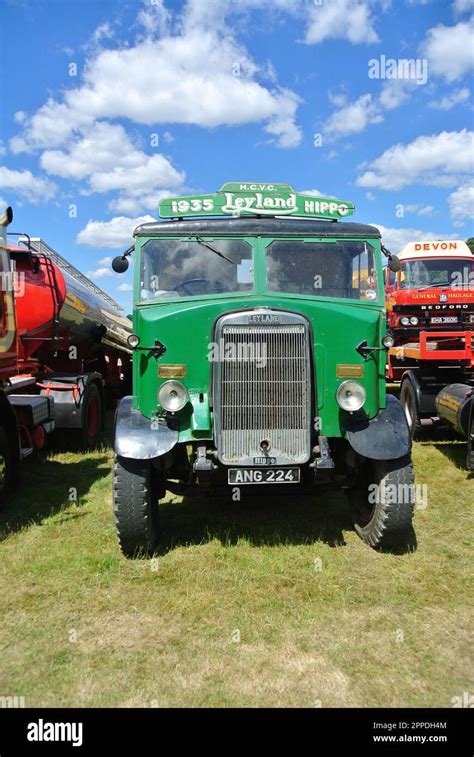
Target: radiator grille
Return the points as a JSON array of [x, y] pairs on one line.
[[263, 392]]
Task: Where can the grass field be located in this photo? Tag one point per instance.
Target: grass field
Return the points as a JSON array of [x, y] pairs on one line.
[[267, 602]]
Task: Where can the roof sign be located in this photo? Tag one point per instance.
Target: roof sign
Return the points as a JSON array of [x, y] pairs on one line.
[[436, 248], [257, 199]]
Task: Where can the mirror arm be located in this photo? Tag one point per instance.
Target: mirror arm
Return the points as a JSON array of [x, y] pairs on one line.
[[363, 349], [157, 350], [392, 259]]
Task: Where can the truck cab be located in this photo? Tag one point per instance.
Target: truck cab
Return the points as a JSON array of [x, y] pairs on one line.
[[430, 314], [259, 348]]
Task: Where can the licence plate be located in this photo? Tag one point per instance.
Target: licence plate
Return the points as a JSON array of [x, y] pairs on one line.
[[444, 319], [240, 476]]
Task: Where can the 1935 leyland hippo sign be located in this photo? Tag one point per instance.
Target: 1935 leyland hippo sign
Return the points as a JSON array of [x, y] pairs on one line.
[[259, 351], [240, 198]]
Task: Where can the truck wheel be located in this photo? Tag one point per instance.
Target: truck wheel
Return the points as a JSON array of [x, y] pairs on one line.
[[382, 502], [6, 469], [409, 404], [92, 411], [135, 507]]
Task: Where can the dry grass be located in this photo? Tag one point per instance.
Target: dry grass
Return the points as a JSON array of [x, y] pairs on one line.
[[82, 626]]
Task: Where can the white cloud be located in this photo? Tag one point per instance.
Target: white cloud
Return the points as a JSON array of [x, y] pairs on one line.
[[214, 14], [34, 189], [395, 92], [426, 210], [133, 205], [125, 287], [370, 196], [461, 204], [114, 233], [105, 261], [450, 50], [199, 77], [439, 159], [463, 6], [396, 239], [100, 273], [107, 159], [341, 19], [420, 210], [456, 97], [104, 31], [354, 117], [101, 153], [155, 19]]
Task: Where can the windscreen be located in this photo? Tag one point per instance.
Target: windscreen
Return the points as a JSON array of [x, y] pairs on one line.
[[434, 272], [176, 268], [341, 269]]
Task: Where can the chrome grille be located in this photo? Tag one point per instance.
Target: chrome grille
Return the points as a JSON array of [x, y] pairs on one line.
[[262, 388]]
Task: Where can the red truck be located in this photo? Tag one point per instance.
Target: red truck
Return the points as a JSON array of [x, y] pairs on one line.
[[430, 314], [63, 351]]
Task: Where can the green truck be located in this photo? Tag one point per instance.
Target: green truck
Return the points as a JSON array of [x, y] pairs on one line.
[[259, 353]]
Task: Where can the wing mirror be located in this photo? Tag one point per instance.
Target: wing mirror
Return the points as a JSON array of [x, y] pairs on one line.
[[120, 263], [394, 263]]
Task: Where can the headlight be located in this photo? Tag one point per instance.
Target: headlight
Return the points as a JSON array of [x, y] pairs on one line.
[[351, 396], [388, 341], [133, 341], [172, 396], [414, 320], [405, 321]]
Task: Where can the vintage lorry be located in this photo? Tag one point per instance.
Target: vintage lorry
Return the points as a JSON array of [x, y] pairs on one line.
[[63, 351], [259, 349], [430, 314]]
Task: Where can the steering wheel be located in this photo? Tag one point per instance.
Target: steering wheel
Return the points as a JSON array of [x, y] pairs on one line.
[[184, 285]]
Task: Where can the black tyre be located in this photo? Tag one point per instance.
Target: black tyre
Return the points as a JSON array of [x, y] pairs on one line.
[[135, 507], [410, 407], [6, 464], [382, 502], [87, 436]]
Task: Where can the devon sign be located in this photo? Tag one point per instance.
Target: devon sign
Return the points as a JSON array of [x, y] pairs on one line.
[[242, 198]]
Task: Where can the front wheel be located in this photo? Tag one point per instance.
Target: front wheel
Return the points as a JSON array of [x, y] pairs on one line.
[[382, 502], [410, 406], [135, 507]]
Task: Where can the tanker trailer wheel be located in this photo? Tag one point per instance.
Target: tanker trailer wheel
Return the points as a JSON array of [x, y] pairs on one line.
[[135, 506], [410, 406], [382, 501], [6, 464], [92, 412]]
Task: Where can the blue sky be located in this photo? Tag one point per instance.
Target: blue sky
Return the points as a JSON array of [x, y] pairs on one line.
[[108, 106]]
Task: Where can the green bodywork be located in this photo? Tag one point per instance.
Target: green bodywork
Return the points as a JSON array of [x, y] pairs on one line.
[[185, 325]]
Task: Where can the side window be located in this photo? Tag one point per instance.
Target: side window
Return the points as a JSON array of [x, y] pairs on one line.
[[364, 274]]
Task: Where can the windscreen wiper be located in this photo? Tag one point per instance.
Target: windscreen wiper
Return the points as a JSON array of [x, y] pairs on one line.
[[432, 286], [213, 249]]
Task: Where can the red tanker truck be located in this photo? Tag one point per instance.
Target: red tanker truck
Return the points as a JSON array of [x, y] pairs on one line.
[[63, 351], [430, 314]]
